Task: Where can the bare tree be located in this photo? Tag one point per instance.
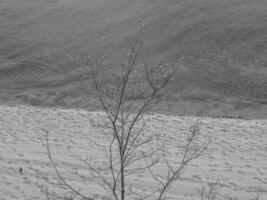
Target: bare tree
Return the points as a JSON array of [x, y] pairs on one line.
[[126, 96], [210, 190]]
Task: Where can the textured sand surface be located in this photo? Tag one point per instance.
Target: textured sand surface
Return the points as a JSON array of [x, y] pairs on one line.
[[220, 43], [238, 151]]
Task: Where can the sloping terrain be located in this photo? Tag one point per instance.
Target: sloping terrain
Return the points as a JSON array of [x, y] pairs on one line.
[[223, 44], [237, 153]]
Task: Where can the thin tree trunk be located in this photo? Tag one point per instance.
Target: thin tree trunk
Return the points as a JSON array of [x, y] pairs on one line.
[[122, 179]]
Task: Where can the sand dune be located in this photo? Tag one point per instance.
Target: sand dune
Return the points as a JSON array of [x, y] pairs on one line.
[[238, 151], [223, 43]]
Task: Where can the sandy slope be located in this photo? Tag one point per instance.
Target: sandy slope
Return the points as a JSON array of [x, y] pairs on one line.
[[223, 43], [238, 151]]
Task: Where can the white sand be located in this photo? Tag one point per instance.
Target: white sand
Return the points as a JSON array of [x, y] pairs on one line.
[[238, 151]]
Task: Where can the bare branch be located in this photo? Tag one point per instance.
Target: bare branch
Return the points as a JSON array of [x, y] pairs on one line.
[[57, 171]]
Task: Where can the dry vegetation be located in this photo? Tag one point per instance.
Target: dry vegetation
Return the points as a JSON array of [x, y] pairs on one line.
[[127, 151]]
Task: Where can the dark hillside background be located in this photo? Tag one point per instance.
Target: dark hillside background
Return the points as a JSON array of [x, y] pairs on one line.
[[222, 43]]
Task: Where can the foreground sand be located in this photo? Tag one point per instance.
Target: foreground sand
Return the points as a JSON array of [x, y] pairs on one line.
[[238, 152]]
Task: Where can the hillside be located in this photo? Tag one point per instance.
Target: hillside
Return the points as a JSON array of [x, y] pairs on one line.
[[223, 44], [237, 153]]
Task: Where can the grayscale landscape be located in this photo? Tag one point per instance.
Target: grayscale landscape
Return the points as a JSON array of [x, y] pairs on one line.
[[237, 153], [67, 116]]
